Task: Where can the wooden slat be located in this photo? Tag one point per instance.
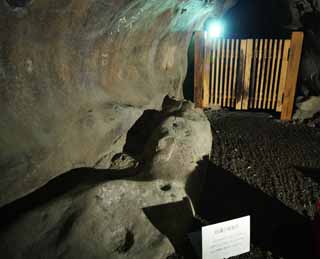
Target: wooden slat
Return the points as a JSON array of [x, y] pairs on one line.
[[292, 75], [226, 72], [231, 63], [235, 73], [206, 72], [222, 64], [273, 67], [277, 75], [247, 74], [276, 79], [218, 70], [254, 73], [198, 61], [263, 72], [240, 83], [214, 49], [257, 88], [283, 74], [267, 85]]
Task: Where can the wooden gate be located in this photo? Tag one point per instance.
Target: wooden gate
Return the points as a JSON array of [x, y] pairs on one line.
[[247, 73]]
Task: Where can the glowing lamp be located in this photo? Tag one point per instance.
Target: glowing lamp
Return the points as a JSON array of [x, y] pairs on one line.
[[215, 29]]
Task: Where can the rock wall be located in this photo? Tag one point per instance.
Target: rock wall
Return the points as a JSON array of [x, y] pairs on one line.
[[305, 15], [76, 74]]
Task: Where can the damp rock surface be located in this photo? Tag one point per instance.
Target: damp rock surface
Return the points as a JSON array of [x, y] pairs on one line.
[[307, 109], [75, 75]]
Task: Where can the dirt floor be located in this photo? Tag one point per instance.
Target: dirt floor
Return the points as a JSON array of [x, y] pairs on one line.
[[267, 169]]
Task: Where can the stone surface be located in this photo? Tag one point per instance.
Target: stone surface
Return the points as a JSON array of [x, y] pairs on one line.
[[178, 144], [307, 108], [105, 222], [75, 75], [144, 216], [305, 16]]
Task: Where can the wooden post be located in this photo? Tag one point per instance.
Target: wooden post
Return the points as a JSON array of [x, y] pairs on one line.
[[283, 73], [198, 67], [240, 85], [247, 74], [213, 71], [292, 75], [206, 72]]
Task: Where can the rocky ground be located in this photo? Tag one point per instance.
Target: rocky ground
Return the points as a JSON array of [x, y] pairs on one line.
[[267, 169]]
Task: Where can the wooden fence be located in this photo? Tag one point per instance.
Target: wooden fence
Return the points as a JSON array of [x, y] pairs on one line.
[[247, 73]]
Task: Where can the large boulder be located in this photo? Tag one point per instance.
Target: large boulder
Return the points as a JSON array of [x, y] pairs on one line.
[[305, 16], [121, 218], [307, 109], [76, 74]]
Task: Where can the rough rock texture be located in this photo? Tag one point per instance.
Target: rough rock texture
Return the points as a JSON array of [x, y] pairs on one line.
[[105, 222], [100, 218], [179, 143], [305, 16], [307, 109], [76, 74]]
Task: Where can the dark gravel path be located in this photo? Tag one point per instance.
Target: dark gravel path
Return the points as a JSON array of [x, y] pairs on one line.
[[269, 170]]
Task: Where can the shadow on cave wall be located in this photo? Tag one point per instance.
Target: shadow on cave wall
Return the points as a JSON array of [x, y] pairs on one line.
[[189, 80]]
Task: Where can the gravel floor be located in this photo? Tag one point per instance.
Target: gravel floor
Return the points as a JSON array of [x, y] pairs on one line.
[[267, 169]]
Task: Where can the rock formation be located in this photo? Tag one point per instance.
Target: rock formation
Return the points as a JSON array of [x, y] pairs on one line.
[[305, 15], [100, 218], [76, 74]]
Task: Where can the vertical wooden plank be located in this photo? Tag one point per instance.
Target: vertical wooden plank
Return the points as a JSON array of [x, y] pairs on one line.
[[267, 85], [240, 84], [226, 71], [254, 73], [257, 90], [231, 63], [292, 75], [235, 73], [273, 72], [247, 73], [217, 71], [221, 72], [276, 79], [283, 73], [213, 69], [263, 70], [206, 71], [198, 65]]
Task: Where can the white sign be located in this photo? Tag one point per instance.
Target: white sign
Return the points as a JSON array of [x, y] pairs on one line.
[[226, 239]]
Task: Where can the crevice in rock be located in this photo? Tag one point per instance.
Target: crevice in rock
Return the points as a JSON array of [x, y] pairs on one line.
[[128, 242], [140, 132], [165, 187]]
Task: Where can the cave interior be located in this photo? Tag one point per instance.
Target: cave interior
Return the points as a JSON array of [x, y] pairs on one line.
[[103, 153]]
